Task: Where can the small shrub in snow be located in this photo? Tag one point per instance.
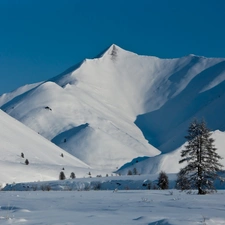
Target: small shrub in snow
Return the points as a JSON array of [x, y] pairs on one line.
[[22, 155], [62, 176], [62, 155]]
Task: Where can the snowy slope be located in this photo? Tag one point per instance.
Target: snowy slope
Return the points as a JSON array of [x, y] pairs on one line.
[[45, 161], [19, 91], [169, 162], [101, 110]]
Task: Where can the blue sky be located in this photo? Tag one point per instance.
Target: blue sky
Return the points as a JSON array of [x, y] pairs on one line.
[[41, 38]]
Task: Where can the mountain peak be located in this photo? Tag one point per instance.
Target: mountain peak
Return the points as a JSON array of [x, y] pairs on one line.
[[113, 51]]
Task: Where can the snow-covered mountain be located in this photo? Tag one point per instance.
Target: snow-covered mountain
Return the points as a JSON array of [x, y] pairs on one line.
[[45, 160], [116, 107]]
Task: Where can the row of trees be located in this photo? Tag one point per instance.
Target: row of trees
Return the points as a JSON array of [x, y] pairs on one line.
[[62, 175]]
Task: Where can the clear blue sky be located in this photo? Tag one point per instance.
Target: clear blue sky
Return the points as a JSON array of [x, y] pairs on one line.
[[41, 38]]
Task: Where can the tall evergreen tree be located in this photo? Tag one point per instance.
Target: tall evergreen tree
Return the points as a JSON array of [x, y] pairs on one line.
[[201, 157]]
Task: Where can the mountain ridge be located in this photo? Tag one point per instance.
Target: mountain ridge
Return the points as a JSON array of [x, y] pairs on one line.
[[129, 102]]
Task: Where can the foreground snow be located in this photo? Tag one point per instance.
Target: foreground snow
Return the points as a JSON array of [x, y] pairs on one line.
[[108, 207]]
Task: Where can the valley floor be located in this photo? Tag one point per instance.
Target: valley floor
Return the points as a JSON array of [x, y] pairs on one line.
[[150, 207]]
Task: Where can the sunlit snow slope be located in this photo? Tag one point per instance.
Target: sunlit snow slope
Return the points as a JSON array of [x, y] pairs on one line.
[[169, 162], [45, 161], [103, 110]]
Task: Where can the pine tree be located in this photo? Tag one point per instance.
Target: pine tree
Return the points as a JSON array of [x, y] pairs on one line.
[[72, 175], [26, 162], [163, 181], [62, 176], [201, 157], [135, 171], [129, 172]]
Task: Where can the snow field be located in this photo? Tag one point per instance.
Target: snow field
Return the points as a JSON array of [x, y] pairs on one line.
[[152, 207]]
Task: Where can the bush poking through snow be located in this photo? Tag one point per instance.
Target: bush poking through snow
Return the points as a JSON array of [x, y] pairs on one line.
[[22, 155]]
